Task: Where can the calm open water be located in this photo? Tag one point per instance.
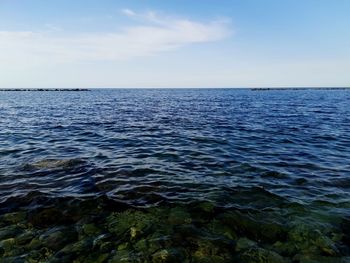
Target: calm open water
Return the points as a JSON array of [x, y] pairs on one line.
[[272, 167]]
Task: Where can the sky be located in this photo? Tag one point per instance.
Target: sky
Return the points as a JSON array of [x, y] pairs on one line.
[[174, 44]]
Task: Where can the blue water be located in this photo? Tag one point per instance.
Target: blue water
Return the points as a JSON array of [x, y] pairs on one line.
[[239, 149], [178, 144]]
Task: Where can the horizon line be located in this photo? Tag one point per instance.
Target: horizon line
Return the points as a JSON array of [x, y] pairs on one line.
[[245, 87]]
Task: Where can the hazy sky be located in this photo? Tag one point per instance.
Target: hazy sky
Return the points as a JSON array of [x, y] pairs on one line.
[[179, 43]]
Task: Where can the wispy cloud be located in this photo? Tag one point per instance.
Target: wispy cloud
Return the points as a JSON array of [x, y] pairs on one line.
[[153, 34]]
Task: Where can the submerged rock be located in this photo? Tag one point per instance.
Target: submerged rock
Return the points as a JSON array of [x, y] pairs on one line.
[[170, 234], [254, 227], [245, 243], [58, 237], [131, 223], [172, 255], [46, 217], [216, 227], [80, 246], [91, 229], [42, 255], [10, 231], [308, 239], [35, 243], [53, 164], [25, 237], [207, 207], [320, 259], [106, 247], [14, 218], [124, 256], [178, 216], [13, 260], [7, 244], [93, 258], [260, 255]]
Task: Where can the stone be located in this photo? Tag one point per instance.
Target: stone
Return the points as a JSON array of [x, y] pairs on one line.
[[34, 244], [244, 243], [319, 259], [90, 229], [57, 238], [80, 246], [10, 231], [123, 256], [131, 224], [171, 255], [178, 216], [218, 228], [254, 227], [7, 244], [25, 237], [14, 218], [308, 239], [46, 218], [106, 247], [260, 255]]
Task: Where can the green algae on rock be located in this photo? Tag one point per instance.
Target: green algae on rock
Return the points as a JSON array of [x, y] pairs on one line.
[[170, 234]]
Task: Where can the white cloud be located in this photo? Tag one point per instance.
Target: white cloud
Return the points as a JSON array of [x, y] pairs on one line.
[[128, 12], [154, 34]]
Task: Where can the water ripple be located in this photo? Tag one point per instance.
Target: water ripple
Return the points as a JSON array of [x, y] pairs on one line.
[[146, 146]]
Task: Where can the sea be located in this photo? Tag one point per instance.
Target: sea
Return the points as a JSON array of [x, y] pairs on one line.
[[175, 175]]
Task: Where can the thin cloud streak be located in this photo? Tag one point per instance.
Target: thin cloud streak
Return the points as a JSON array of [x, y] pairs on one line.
[[153, 35]]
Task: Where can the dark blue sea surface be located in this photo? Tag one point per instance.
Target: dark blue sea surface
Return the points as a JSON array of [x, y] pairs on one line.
[[275, 157]]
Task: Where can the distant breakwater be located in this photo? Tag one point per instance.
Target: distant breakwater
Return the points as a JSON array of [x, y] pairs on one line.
[[44, 90], [301, 88]]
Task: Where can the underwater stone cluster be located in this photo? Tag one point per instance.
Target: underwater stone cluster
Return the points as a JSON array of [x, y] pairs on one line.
[[195, 233]]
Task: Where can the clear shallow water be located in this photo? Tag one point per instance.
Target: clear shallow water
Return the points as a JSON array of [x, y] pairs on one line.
[[285, 153]]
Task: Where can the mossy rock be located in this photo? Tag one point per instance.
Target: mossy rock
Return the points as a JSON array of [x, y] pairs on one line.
[[202, 212], [57, 238], [125, 256], [34, 244], [46, 218], [245, 243], [284, 248], [254, 227], [131, 224], [169, 255], [207, 207], [141, 245], [178, 216], [101, 239], [7, 244], [217, 228], [211, 259], [41, 255], [260, 255], [14, 260], [16, 251], [306, 238], [153, 243], [10, 231], [106, 247], [123, 246], [92, 258], [25, 237], [209, 247], [158, 241], [14, 218], [78, 247], [91, 229], [319, 259]]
